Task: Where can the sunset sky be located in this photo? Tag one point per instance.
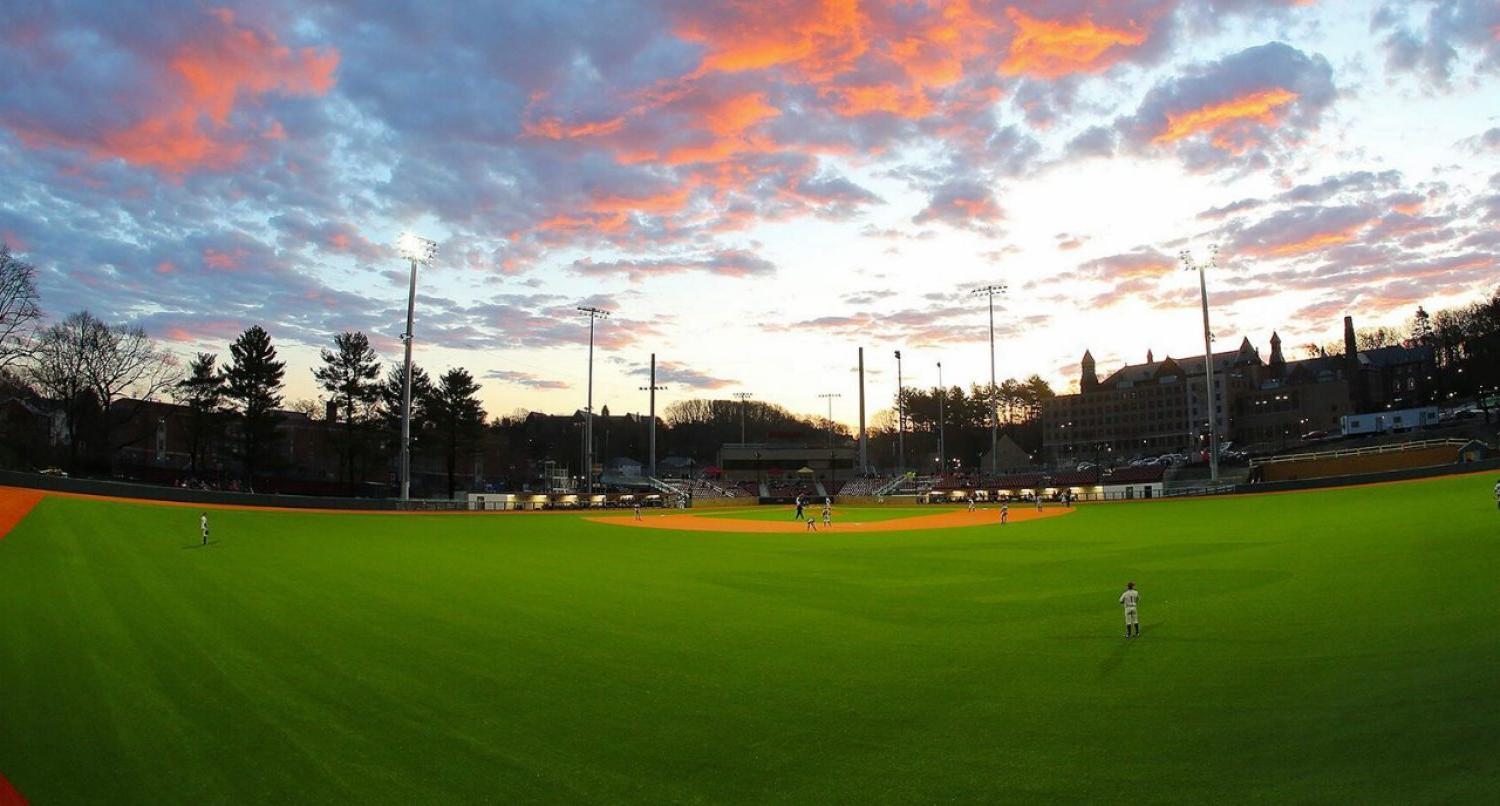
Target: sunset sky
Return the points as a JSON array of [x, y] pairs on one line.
[[755, 188]]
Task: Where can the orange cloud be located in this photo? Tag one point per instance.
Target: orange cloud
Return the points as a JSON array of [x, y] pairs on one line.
[[554, 129], [1321, 240], [216, 259], [201, 84], [935, 53], [1265, 107], [1056, 48], [728, 121], [822, 37], [613, 214], [897, 100]]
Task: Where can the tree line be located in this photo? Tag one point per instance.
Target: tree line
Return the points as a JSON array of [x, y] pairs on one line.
[[99, 376], [1465, 344]]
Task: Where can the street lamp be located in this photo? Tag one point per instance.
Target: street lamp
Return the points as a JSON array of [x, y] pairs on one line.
[[594, 315], [1188, 264], [900, 419], [415, 249], [991, 291]]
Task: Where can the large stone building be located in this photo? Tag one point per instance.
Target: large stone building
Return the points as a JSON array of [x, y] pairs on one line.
[[1161, 406]]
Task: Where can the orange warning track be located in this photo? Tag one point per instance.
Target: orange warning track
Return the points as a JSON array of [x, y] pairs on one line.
[[8, 794], [14, 504], [945, 520]]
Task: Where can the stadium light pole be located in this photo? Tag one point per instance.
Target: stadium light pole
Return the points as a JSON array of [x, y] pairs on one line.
[[900, 419], [744, 399], [830, 397], [415, 249], [942, 446], [594, 315], [653, 389], [991, 291], [1188, 264]]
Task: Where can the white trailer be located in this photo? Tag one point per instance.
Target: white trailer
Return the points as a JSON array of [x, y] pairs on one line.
[[1382, 422]]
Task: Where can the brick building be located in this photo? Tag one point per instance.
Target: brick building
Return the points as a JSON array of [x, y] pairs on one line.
[[1161, 406]]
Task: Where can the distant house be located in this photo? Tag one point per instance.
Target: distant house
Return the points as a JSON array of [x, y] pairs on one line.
[[1012, 458]]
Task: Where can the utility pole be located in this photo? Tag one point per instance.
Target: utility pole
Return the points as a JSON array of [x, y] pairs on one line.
[[744, 399], [991, 291], [1189, 264], [653, 389], [830, 397], [594, 315]]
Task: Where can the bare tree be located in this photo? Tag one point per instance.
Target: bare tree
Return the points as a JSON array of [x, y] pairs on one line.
[[307, 407], [20, 315], [57, 369], [83, 362], [124, 365]]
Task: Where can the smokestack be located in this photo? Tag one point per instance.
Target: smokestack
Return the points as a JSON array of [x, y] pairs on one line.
[[864, 446], [1351, 351]]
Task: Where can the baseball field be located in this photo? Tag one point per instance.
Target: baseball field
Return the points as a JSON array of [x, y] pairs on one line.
[[1332, 646]]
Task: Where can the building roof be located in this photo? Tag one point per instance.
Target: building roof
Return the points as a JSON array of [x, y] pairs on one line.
[[1141, 373], [1394, 355]]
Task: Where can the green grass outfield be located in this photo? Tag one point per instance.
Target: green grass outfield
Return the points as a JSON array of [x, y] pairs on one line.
[[1336, 646]]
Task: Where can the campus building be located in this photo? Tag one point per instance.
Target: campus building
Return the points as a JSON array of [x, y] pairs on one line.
[[1161, 406]]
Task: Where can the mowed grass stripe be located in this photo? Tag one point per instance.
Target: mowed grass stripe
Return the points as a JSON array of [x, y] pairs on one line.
[[1336, 645]]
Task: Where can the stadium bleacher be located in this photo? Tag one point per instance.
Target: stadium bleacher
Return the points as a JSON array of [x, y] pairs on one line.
[[864, 485]]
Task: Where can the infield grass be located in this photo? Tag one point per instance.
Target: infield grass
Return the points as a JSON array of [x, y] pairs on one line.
[[1335, 646]]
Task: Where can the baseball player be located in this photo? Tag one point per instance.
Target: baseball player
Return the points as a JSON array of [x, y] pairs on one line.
[[1128, 600]]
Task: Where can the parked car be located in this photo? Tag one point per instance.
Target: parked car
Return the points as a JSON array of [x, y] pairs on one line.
[[1314, 436]]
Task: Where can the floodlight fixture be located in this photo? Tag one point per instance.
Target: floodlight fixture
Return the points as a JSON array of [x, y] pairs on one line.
[[415, 248]]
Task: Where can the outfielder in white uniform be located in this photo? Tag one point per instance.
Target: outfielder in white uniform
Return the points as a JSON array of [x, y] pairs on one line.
[[1497, 494], [1128, 600]]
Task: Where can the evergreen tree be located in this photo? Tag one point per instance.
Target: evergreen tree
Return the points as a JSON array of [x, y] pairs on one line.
[[253, 382], [457, 416], [349, 375], [388, 409], [202, 391]]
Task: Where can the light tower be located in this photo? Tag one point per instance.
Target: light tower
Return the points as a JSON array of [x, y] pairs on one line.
[[991, 291], [1188, 264], [744, 399], [594, 315], [653, 389], [416, 249], [900, 420], [830, 397], [942, 445]]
